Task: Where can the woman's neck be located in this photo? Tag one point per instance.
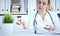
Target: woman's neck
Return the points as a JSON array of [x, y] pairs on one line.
[[42, 14]]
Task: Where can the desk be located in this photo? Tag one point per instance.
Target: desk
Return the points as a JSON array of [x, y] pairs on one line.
[[31, 33]]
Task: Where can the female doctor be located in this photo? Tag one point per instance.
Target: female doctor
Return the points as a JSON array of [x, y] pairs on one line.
[[44, 19]]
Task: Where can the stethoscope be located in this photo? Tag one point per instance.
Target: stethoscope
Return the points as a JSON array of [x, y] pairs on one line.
[[35, 22]]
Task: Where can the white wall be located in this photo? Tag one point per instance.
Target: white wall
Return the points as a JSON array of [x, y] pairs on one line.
[[31, 12], [53, 4]]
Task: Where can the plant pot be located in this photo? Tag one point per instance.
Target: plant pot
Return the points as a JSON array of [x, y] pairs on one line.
[[7, 29]]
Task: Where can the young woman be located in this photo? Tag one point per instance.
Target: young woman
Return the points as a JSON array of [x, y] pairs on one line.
[[44, 17]]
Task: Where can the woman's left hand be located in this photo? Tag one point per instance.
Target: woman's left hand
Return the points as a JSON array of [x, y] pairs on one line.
[[49, 28]]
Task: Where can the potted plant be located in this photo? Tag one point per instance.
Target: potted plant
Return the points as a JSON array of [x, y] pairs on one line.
[[7, 18], [7, 26]]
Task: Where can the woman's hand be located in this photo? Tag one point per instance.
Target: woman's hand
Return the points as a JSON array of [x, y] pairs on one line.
[[49, 28], [18, 22], [21, 21]]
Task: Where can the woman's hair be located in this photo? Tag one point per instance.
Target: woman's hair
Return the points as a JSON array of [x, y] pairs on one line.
[[49, 7], [48, 1]]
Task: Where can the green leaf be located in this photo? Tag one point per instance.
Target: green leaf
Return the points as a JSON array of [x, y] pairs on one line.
[[7, 18]]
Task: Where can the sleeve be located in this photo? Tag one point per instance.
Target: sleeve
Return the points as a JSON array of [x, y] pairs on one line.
[[56, 22]]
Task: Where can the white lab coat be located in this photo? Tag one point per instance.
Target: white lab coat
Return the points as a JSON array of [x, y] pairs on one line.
[[47, 21]]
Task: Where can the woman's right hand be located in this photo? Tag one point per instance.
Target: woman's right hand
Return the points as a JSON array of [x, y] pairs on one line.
[[21, 21], [18, 22]]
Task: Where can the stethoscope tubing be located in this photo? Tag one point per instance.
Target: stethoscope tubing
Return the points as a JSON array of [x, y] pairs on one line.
[[35, 22]]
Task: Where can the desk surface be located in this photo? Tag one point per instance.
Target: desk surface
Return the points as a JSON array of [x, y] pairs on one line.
[[31, 33]]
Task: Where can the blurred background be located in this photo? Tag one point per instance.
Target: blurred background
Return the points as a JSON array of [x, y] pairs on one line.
[[25, 9]]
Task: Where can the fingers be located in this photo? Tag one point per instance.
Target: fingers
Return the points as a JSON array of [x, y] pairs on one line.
[[48, 27], [18, 22], [21, 21]]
